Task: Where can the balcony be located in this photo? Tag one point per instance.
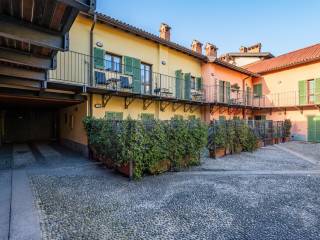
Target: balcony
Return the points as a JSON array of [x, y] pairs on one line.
[[292, 99], [74, 70]]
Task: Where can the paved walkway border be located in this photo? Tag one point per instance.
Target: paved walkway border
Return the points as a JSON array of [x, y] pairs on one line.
[[308, 159]]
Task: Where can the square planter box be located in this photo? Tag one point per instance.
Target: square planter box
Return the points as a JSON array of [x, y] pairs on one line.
[[160, 167], [276, 141], [218, 152], [260, 143]]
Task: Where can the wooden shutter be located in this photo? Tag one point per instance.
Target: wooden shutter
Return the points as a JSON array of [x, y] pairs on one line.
[[317, 130], [109, 115], [302, 92], [311, 129], [221, 91], [178, 83], [147, 116], [98, 58], [136, 77], [187, 86], [199, 83], [317, 90], [228, 88], [257, 90], [128, 65], [118, 116]]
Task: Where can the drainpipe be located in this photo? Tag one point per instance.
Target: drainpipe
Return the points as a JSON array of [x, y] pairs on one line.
[[91, 62]]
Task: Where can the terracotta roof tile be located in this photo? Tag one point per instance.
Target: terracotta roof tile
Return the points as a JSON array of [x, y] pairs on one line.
[[301, 56]]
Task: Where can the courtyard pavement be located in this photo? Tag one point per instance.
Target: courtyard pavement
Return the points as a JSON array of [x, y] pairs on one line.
[[272, 193]]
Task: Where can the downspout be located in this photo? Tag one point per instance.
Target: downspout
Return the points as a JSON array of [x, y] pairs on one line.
[[245, 95], [91, 63]]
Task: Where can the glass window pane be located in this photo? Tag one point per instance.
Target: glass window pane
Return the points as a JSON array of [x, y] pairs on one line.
[[108, 62], [117, 64]]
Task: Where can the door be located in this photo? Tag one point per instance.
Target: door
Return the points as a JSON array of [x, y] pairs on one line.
[[314, 128], [23, 125]]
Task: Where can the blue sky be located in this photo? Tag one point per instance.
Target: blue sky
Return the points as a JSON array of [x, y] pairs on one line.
[[280, 25]]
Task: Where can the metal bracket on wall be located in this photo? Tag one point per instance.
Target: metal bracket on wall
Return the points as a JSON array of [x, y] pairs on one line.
[[105, 99], [146, 103], [222, 110], [186, 107], [176, 106], [318, 107], [299, 108], [127, 102], [213, 109], [164, 105], [193, 108]]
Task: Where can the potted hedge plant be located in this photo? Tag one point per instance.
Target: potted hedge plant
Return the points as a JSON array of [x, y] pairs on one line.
[[287, 125], [217, 140]]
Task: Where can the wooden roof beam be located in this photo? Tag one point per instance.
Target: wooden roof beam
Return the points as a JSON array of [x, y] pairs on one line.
[[26, 32]]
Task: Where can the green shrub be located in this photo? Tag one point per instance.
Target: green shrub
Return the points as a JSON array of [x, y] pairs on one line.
[[152, 145], [287, 125]]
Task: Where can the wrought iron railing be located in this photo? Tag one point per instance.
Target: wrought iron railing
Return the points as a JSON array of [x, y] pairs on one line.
[[292, 98], [75, 68]]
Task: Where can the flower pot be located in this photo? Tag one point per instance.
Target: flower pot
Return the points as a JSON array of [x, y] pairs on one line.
[[275, 140], [124, 169], [160, 167], [238, 149], [218, 152], [260, 143]]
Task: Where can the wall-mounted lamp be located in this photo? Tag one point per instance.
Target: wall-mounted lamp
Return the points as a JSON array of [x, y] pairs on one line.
[[99, 44], [163, 62]]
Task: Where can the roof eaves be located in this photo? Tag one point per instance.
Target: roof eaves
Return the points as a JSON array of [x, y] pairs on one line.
[[140, 32], [234, 67]]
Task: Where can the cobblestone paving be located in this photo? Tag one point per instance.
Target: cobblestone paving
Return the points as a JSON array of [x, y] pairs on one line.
[[87, 202]]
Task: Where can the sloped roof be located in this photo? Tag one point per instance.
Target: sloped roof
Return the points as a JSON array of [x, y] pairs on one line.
[[249, 54], [291, 59]]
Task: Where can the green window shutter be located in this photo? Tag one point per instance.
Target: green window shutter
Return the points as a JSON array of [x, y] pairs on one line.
[[179, 77], [311, 129], [317, 132], [263, 117], [114, 116], [199, 83], [136, 78], [187, 87], [147, 116], [222, 118], [302, 92], [228, 88], [317, 90], [257, 90], [248, 95], [98, 58], [221, 91], [118, 116], [128, 65], [109, 115]]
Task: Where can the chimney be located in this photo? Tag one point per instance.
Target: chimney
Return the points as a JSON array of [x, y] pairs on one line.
[[211, 50], [255, 48], [165, 31], [196, 46], [243, 49]]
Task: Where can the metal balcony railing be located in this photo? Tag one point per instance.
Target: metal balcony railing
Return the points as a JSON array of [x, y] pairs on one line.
[[75, 68], [291, 99]]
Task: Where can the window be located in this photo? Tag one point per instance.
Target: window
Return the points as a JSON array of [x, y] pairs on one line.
[[146, 82], [178, 116], [112, 63], [193, 83], [114, 116], [311, 91], [192, 117], [147, 116], [224, 91]]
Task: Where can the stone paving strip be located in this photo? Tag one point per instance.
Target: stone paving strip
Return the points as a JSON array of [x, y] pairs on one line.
[[299, 155], [22, 155], [48, 152], [5, 200]]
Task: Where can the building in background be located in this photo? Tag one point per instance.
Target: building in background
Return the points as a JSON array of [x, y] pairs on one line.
[[246, 55], [291, 84]]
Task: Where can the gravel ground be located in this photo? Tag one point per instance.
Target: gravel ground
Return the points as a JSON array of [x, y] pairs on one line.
[[179, 207], [267, 158], [80, 200]]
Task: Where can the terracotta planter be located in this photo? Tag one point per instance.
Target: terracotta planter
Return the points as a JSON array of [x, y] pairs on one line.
[[124, 169], [275, 140], [286, 139], [160, 167], [260, 143], [218, 152], [99, 157]]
